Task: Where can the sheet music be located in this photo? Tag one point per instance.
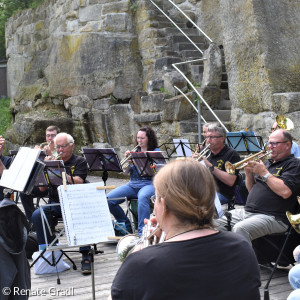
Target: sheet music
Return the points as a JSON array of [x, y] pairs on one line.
[[186, 146], [85, 213], [17, 176]]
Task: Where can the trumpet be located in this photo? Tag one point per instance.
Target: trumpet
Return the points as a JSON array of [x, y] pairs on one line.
[[125, 161], [294, 220], [198, 146], [230, 168], [128, 243], [57, 157], [42, 145], [204, 153]]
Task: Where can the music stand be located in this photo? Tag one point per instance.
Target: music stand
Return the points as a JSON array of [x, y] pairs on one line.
[[146, 162], [102, 160], [243, 141], [180, 146]]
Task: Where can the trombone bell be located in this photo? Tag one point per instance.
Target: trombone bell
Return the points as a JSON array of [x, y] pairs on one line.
[[294, 220]]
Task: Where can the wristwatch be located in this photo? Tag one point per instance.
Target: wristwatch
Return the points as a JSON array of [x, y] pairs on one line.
[[211, 169], [265, 178]]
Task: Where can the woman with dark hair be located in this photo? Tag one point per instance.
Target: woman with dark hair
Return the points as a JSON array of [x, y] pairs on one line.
[[195, 261], [140, 187]]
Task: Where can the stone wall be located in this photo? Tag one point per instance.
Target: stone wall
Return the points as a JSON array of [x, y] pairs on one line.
[[97, 68]]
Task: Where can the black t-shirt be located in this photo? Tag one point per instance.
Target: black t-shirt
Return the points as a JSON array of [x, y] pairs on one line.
[[217, 267], [6, 160], [262, 199], [218, 161], [75, 166]]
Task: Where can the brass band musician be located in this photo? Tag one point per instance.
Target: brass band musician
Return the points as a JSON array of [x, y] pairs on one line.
[[49, 148], [5, 162], [138, 187], [273, 188], [195, 261], [215, 162]]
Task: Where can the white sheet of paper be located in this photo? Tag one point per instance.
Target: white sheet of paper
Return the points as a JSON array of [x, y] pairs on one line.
[[218, 206], [186, 147], [17, 175], [85, 213]]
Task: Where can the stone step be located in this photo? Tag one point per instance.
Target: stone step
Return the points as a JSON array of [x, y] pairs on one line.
[[182, 39], [225, 104], [194, 54], [165, 63], [168, 31], [225, 94], [191, 127], [223, 114], [188, 46], [224, 85], [224, 76]]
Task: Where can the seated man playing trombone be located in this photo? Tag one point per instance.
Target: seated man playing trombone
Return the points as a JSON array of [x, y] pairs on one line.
[[220, 153], [273, 188]]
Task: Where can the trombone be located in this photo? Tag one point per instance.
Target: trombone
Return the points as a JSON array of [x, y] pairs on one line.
[[230, 168]]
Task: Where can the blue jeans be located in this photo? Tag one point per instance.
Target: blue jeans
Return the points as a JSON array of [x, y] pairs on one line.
[[27, 201], [50, 212], [143, 195], [294, 277], [222, 198]]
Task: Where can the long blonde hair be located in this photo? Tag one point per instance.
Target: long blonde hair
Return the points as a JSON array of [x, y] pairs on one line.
[[188, 189]]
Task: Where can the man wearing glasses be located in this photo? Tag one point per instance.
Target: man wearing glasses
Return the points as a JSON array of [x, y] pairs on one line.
[[77, 170], [220, 154], [295, 147], [273, 188], [27, 200]]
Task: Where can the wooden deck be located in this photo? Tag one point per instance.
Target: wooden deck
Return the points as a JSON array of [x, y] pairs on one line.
[[74, 285]]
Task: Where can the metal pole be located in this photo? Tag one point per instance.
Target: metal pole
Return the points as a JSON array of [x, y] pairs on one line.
[[199, 122]]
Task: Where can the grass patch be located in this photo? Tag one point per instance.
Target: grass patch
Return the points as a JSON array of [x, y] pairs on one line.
[[5, 115]]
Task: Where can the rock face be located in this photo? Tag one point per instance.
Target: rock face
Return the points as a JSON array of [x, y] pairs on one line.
[[101, 69]]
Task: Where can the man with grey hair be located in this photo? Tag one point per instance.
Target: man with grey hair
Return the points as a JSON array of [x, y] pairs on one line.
[[273, 188], [77, 170], [220, 154]]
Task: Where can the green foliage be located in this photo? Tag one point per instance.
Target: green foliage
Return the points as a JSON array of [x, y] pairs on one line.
[[163, 90], [133, 5], [5, 115], [7, 9]]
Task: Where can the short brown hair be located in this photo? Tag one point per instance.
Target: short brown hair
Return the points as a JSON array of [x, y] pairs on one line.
[[52, 128], [189, 190]]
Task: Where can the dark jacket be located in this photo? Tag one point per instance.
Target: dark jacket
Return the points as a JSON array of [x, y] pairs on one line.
[[14, 267]]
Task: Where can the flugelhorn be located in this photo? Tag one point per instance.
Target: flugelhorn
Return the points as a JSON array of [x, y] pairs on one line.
[[199, 145], [294, 220], [125, 161], [57, 157], [230, 168], [128, 243]]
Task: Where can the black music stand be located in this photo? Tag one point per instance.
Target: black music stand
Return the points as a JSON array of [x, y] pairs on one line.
[[147, 163], [245, 141], [102, 160], [180, 146]]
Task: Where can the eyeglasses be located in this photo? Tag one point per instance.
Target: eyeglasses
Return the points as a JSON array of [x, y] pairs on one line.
[[275, 144], [51, 135], [213, 137], [63, 146]]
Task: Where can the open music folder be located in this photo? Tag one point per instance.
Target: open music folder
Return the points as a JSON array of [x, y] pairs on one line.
[[23, 171], [85, 214]]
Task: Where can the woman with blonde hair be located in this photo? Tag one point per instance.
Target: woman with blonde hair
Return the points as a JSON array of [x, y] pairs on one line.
[[196, 261]]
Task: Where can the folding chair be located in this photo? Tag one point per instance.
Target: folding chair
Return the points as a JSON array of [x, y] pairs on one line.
[[276, 248], [132, 212]]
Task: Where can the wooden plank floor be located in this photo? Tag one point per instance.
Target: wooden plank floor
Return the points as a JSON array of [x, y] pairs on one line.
[[77, 286]]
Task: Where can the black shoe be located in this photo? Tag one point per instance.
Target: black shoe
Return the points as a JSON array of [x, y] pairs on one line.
[[86, 267]]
